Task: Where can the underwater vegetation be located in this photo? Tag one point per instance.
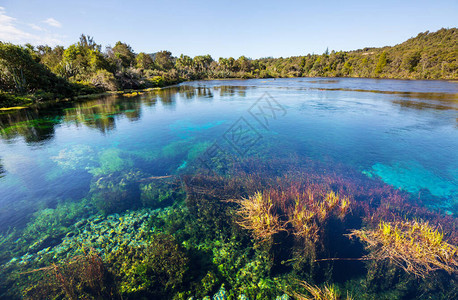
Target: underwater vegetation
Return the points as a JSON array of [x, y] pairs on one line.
[[82, 277], [2, 170], [110, 161], [328, 292], [257, 229], [157, 270], [415, 246], [161, 192], [116, 191], [304, 208], [75, 157]]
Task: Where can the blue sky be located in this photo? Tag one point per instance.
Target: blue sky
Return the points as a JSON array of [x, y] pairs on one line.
[[225, 28]]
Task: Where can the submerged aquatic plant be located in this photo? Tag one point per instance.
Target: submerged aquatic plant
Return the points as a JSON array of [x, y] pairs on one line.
[[162, 191], [415, 246], [312, 208], [300, 209], [82, 277], [75, 157], [2, 170], [328, 292], [157, 269], [258, 215], [110, 161], [116, 192]]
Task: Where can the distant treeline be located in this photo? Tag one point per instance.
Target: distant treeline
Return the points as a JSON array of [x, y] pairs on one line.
[[30, 73]]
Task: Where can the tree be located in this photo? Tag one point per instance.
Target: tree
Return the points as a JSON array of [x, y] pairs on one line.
[[381, 63], [164, 60], [21, 73], [144, 61], [123, 55], [88, 42], [104, 80], [184, 62], [244, 64], [81, 60], [326, 52], [410, 60], [50, 57], [201, 62]]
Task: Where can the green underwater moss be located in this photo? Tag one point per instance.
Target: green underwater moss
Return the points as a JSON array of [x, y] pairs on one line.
[[110, 161]]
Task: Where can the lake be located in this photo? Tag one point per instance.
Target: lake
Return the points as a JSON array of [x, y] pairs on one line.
[[127, 157]]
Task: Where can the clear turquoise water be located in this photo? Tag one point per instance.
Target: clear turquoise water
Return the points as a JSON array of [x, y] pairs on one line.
[[404, 132]]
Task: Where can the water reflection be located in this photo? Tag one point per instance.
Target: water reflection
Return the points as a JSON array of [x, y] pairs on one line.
[[100, 114], [2, 170], [34, 124], [416, 100], [231, 91], [189, 92], [37, 124], [415, 104]]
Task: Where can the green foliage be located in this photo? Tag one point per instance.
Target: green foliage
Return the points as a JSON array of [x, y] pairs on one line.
[[81, 61], [144, 61], [9, 99], [104, 80], [381, 63], [21, 73], [123, 55], [157, 81], [164, 60]]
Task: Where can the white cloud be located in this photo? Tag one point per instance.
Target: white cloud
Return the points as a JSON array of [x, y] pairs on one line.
[[10, 31], [53, 22], [36, 27]]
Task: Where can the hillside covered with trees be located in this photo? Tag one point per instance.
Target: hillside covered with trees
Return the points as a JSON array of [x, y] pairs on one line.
[[36, 73]]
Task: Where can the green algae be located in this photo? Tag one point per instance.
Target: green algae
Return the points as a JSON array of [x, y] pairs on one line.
[[110, 161], [158, 269], [116, 191], [161, 193], [52, 223]]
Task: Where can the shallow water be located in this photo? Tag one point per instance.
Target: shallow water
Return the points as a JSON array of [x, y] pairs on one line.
[[402, 132]]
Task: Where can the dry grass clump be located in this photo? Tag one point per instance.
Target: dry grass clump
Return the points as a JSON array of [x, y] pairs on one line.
[[415, 246], [301, 210]]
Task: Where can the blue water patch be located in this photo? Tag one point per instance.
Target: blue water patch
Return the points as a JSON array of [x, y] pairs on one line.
[[184, 127], [413, 177]]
